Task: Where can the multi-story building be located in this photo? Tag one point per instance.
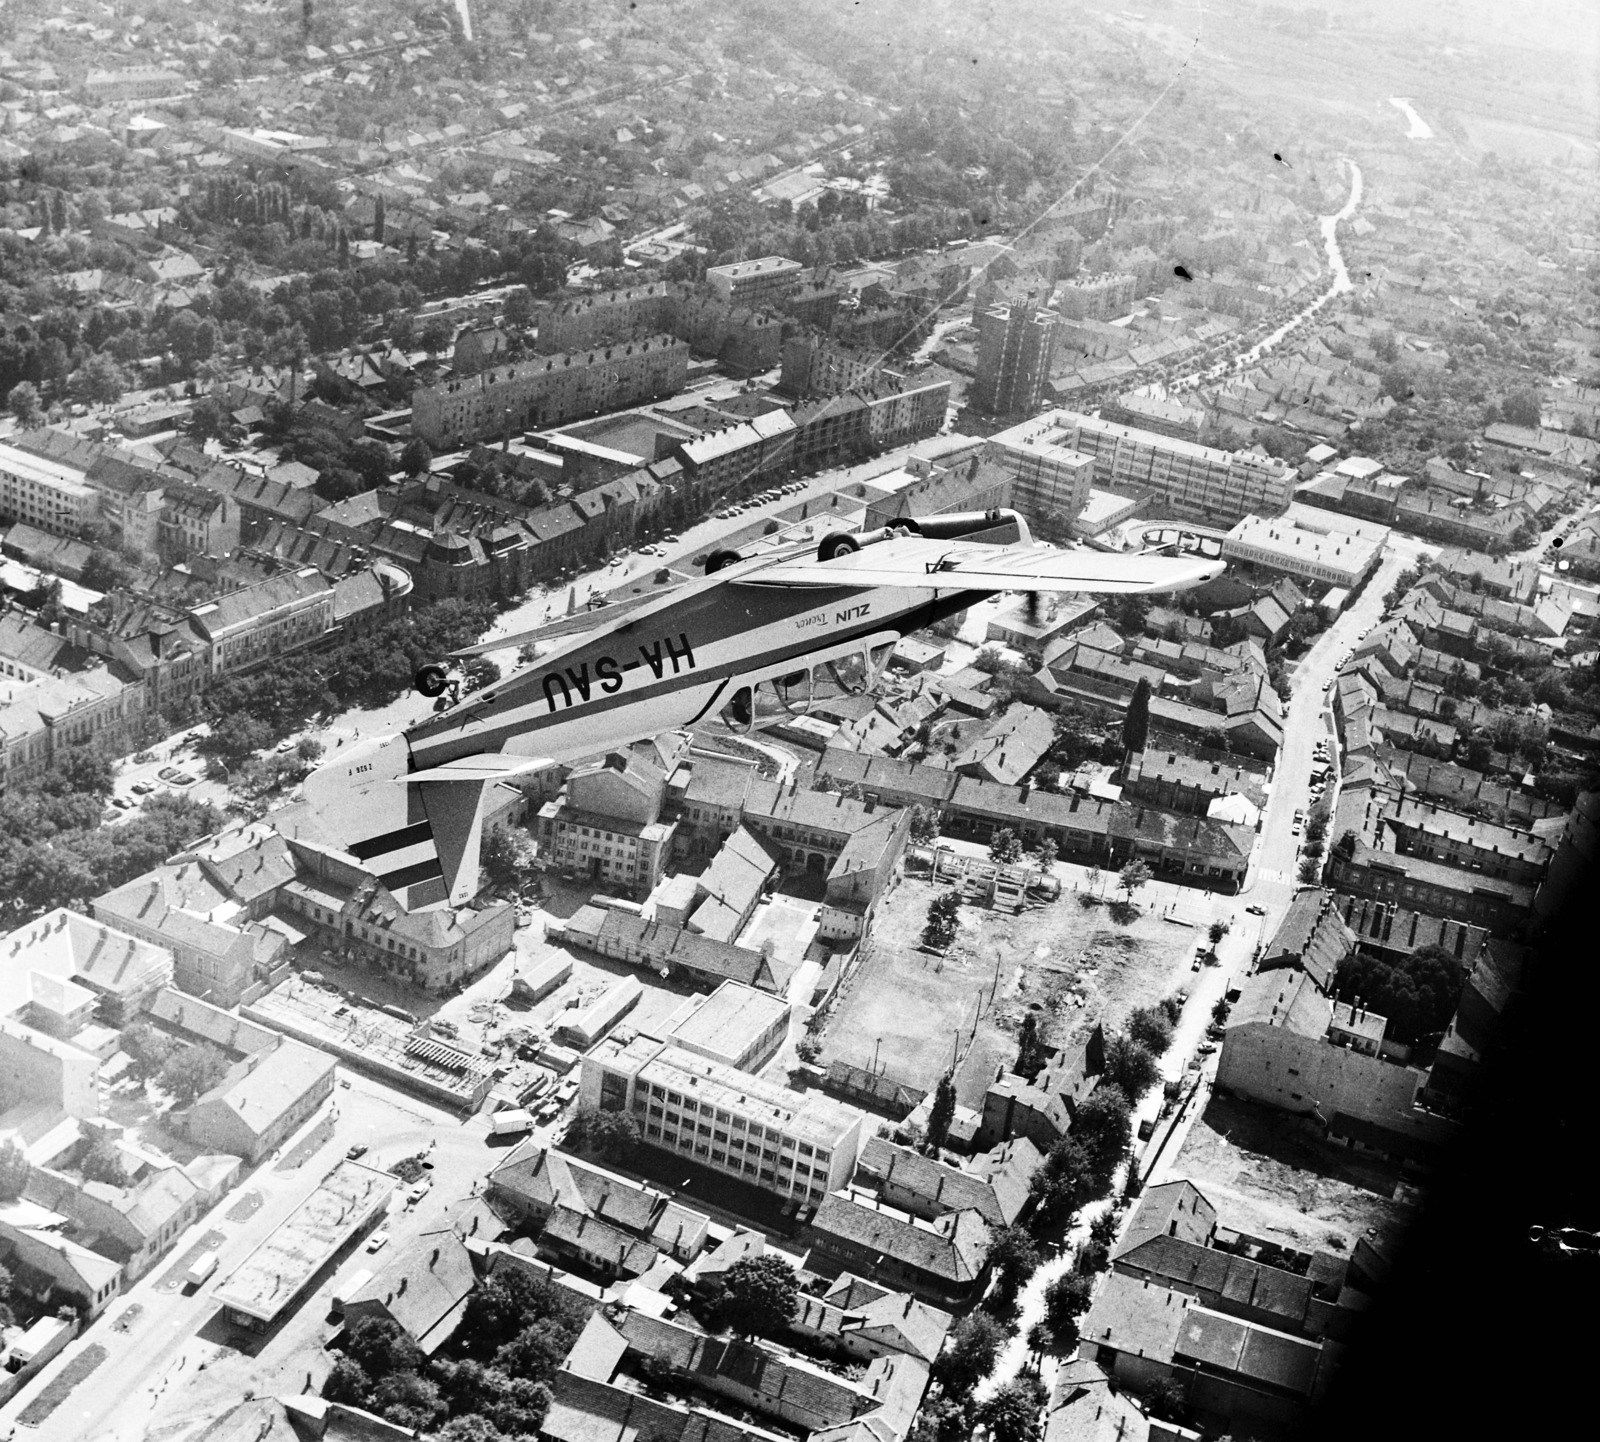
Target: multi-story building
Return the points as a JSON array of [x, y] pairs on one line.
[[44, 492], [797, 1144], [248, 628], [1015, 347], [1192, 481], [816, 365], [1096, 297], [607, 822], [220, 952], [548, 390], [754, 282], [607, 317], [1300, 548], [1052, 480], [132, 82], [40, 721]]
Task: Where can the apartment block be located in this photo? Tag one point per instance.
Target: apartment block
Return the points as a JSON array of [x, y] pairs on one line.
[[248, 628], [1015, 347], [797, 1144], [1096, 297], [43, 492], [548, 391], [755, 282], [1053, 480], [1195, 482]]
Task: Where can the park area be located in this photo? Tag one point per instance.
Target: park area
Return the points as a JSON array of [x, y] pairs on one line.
[[1267, 1175], [908, 1012]]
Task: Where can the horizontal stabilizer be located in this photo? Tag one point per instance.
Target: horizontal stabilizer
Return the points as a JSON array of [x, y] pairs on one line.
[[486, 766]]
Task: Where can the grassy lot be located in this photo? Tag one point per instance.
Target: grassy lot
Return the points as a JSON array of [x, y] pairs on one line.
[[1071, 964], [1267, 1176]]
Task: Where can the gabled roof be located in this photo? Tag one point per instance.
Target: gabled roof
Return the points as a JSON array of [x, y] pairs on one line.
[[952, 1249], [424, 1288]]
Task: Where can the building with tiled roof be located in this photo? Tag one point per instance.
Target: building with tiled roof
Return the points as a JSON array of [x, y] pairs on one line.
[[1312, 938], [262, 1101], [925, 1187], [1042, 1110], [248, 628], [122, 970], [534, 1183], [219, 953], [942, 1260], [423, 1289]]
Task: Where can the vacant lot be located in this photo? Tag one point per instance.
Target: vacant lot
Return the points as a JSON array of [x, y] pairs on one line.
[[1070, 964], [1267, 1176]]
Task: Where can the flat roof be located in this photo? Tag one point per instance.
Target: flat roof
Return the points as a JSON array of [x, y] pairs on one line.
[[807, 1116], [728, 1020], [44, 471], [305, 1241]]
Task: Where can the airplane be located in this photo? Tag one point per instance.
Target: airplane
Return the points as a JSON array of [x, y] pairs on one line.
[[754, 640]]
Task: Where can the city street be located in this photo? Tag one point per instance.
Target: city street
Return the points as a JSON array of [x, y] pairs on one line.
[[153, 1378]]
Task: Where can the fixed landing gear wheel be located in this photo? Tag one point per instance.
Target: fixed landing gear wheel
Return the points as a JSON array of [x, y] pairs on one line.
[[431, 679], [719, 559], [836, 545]]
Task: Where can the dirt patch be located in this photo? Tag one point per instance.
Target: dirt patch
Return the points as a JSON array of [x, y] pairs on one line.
[[1268, 1175], [913, 1011]]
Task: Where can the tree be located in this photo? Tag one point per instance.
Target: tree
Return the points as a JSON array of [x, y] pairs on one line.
[[759, 1296], [147, 1049], [1005, 848], [102, 1162], [100, 380], [1066, 1299], [924, 825], [1012, 1413], [1417, 994], [436, 336], [1103, 1127], [1149, 1027], [941, 1114], [347, 1383], [505, 1305], [1219, 929], [500, 857], [1136, 724], [610, 1134], [1013, 1258], [941, 926], [408, 1400], [1045, 857], [1219, 1012], [23, 401], [969, 1357], [1130, 1066], [1030, 1049], [416, 458], [1134, 875], [188, 1074], [14, 1170], [1521, 408]]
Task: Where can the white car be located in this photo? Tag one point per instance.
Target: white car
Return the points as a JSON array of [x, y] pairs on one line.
[[377, 1241]]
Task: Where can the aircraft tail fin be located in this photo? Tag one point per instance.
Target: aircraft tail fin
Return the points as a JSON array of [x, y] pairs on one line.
[[422, 838]]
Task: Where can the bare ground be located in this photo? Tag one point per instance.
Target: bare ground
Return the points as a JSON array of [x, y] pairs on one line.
[[1268, 1176], [1071, 964]]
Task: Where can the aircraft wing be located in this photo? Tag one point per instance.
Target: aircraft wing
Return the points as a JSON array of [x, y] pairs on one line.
[[936, 565]]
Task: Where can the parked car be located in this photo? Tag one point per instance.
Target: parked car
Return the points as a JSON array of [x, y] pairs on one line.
[[142, 788], [417, 1193], [121, 802], [378, 1240], [169, 773], [183, 778], [1255, 910], [1205, 1049], [357, 1151]]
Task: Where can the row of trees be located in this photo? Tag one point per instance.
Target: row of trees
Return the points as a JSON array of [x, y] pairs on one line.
[[365, 670], [54, 851]]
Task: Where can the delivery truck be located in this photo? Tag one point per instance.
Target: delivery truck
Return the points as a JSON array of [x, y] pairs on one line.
[[201, 1269], [510, 1121]]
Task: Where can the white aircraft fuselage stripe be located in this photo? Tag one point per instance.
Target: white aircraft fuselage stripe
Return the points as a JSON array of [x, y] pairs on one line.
[[787, 640]]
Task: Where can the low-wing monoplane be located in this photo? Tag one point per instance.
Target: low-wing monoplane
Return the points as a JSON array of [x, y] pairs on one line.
[[756, 639]]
